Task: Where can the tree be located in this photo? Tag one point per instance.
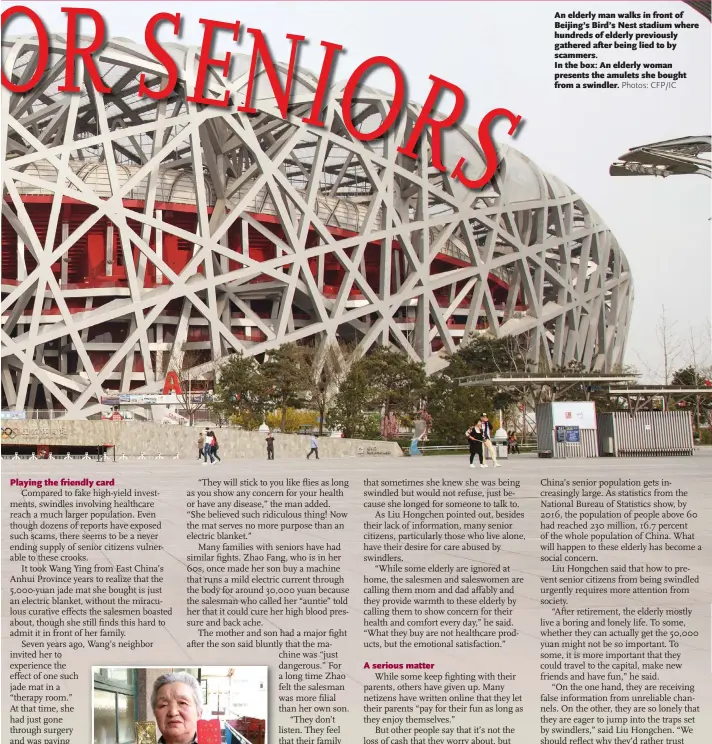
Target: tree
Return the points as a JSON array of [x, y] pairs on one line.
[[452, 407], [699, 345], [692, 377], [350, 410], [669, 344], [286, 374], [489, 356], [194, 387], [382, 383], [485, 354], [590, 390], [297, 420], [326, 368], [396, 383], [241, 391], [686, 377]]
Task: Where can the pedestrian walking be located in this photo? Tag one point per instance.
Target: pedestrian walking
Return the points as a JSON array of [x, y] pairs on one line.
[[214, 447], [201, 444], [513, 444], [270, 445], [414, 451], [475, 441], [207, 448], [314, 447], [487, 435]]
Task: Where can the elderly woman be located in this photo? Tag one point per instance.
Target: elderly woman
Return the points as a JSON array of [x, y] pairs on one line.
[[176, 703]]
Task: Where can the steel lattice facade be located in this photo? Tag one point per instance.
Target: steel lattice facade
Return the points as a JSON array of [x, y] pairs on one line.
[[136, 230]]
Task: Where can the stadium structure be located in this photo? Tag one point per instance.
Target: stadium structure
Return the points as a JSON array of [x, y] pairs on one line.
[[682, 156], [136, 231], [676, 157], [701, 6]]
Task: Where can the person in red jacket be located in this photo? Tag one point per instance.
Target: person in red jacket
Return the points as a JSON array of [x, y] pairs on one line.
[[214, 447]]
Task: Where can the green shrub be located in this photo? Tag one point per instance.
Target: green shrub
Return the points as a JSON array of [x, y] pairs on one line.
[[296, 418]]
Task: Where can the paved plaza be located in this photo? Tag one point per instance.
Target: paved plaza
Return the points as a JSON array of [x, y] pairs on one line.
[[170, 475]]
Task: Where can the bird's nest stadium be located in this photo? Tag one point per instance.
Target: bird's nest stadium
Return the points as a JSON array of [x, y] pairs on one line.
[[134, 231]]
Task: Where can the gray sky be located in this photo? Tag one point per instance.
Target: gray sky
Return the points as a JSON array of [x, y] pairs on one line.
[[501, 55]]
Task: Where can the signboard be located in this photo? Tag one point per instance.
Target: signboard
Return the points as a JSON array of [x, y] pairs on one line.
[[152, 399], [33, 432], [580, 413], [568, 434], [14, 415], [147, 399]]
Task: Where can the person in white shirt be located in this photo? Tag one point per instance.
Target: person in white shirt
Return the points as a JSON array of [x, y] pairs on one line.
[[314, 447], [487, 434], [208, 448]]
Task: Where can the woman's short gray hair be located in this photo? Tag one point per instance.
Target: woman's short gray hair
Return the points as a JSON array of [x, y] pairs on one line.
[[183, 677]]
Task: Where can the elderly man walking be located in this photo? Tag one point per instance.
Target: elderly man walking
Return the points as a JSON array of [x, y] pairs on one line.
[[314, 447]]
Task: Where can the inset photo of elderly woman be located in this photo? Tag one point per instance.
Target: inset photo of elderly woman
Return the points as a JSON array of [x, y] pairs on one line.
[[180, 705]]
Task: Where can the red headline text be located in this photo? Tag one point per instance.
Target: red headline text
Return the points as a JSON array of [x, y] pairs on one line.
[[77, 50]]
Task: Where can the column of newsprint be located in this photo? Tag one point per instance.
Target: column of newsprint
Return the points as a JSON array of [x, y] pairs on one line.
[[393, 600]]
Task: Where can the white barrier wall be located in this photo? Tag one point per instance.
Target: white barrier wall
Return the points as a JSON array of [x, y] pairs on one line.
[[133, 439]]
